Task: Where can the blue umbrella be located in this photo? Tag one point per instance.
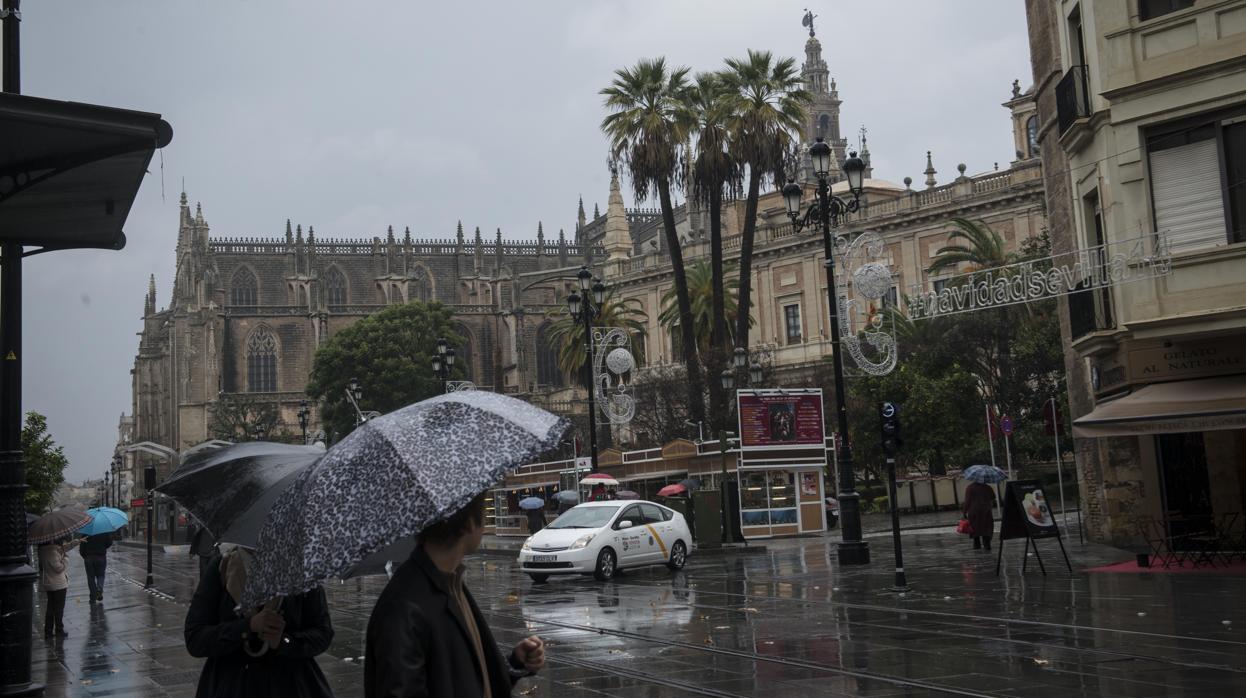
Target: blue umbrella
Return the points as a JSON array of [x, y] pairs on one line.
[[987, 474], [104, 520], [569, 496], [531, 503]]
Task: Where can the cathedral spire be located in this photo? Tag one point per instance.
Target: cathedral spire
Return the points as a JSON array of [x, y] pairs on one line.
[[596, 212], [579, 216], [289, 233], [618, 237], [149, 304], [930, 172]]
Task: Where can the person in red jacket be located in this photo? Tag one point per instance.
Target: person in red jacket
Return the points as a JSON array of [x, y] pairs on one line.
[[979, 500]]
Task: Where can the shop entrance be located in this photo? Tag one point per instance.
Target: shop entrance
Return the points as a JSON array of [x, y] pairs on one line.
[[1187, 488]]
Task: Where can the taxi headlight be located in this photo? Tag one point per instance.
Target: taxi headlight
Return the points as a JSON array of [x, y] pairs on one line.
[[527, 544], [583, 541]]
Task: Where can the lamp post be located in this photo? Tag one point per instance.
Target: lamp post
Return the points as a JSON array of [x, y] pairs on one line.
[[829, 211], [443, 362], [354, 393], [149, 482], [585, 306], [107, 488], [304, 416]]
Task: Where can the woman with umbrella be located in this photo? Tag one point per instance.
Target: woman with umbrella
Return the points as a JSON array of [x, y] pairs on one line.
[[979, 501], [534, 508], [52, 532]]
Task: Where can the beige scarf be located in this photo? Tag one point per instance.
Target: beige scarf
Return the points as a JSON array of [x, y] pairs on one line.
[[235, 565]]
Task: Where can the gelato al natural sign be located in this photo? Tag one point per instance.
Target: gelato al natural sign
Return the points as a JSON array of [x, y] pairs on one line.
[[1048, 277]]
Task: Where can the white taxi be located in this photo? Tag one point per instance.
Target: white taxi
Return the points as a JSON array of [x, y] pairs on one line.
[[600, 538]]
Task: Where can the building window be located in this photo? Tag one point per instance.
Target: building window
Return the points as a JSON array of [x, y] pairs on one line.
[[262, 361], [1150, 9], [768, 497], [791, 319], [335, 287], [891, 299], [243, 290], [1199, 202], [1031, 136], [547, 372], [420, 289], [939, 284]]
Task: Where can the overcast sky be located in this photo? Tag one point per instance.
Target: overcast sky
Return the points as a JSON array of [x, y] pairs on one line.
[[354, 116]]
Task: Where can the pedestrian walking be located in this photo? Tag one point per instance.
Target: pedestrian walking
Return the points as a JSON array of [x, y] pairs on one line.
[[54, 578], [94, 551], [427, 637], [536, 520], [979, 500], [266, 651]]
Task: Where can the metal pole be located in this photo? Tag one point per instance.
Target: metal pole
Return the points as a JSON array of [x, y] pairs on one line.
[[1008, 455], [990, 433], [852, 549], [16, 574], [149, 477], [588, 311], [1055, 430], [901, 583]]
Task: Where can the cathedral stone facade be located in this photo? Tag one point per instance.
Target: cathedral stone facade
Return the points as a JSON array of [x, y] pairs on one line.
[[247, 315]]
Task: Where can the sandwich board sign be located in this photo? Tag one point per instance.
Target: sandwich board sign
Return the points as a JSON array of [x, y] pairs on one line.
[[1027, 515]]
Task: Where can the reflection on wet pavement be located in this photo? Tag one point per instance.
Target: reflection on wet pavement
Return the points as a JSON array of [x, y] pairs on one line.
[[789, 620]]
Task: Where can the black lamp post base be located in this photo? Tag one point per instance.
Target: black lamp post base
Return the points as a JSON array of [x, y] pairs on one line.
[[856, 552]]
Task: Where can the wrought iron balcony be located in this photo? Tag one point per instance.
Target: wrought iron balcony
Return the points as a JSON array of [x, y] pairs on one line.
[[1072, 98]]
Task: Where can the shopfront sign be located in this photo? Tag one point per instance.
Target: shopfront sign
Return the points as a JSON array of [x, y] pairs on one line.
[[772, 419], [1194, 359], [1033, 280]]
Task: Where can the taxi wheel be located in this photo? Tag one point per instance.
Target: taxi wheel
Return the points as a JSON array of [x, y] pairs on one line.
[[539, 578], [605, 565], [679, 555]]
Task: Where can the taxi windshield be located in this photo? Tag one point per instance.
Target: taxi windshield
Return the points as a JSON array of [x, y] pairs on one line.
[[585, 517]]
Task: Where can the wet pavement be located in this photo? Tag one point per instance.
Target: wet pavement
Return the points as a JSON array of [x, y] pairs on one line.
[[789, 620]]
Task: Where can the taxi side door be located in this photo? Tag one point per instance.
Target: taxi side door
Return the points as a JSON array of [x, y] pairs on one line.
[[630, 541], [658, 535]]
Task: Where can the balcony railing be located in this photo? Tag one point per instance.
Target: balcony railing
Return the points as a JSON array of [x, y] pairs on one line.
[[1072, 98], [1090, 310]]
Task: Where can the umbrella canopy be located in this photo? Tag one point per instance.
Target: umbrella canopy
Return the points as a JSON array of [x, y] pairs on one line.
[[104, 520], [31, 518], [569, 496], [691, 484], [77, 169], [390, 479], [230, 490], [59, 524], [531, 503], [674, 490], [599, 479], [988, 474], [626, 494]]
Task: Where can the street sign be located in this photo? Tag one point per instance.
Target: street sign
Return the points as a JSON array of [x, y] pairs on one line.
[[584, 463], [1005, 425], [136, 503]]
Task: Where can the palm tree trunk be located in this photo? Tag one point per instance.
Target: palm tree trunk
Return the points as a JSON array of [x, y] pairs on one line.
[[744, 303], [719, 356], [696, 401]]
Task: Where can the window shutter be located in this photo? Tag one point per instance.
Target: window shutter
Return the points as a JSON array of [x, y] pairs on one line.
[[1189, 206]]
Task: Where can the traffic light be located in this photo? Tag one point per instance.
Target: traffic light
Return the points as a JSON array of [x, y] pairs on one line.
[[891, 428]]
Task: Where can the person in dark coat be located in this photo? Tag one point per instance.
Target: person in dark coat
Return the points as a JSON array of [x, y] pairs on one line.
[[268, 652], [427, 637], [979, 500], [536, 520], [94, 551]]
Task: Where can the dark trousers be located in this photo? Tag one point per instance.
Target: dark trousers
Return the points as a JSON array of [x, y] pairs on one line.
[[978, 541], [55, 612], [95, 564]]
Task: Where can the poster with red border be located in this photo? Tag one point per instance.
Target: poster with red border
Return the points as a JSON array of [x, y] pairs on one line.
[[780, 419]]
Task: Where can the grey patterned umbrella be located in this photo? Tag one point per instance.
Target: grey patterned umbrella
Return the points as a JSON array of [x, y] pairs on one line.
[[389, 479]]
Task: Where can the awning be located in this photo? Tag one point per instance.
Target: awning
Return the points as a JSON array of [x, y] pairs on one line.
[[529, 486], [69, 172], [1207, 404], [653, 476]]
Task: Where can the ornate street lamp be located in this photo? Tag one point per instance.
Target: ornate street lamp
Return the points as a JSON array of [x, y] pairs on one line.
[[828, 212], [443, 362], [585, 307], [354, 393], [304, 418]]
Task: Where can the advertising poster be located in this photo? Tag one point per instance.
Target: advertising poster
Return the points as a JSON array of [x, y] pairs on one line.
[[777, 420], [1026, 512], [809, 484]]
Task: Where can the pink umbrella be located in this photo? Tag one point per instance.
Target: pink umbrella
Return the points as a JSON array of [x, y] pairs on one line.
[[672, 490]]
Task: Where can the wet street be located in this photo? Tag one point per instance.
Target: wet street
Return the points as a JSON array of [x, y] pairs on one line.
[[787, 621]]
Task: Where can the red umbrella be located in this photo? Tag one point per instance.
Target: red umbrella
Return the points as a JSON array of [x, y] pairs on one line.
[[672, 490]]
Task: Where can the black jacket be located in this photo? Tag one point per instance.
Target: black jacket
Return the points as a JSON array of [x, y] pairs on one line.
[[418, 646], [214, 631], [97, 544]]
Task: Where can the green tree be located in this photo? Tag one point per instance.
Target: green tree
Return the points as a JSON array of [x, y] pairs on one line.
[[767, 103], [237, 416], [45, 463], [389, 353], [566, 335], [647, 127], [973, 243], [701, 289]]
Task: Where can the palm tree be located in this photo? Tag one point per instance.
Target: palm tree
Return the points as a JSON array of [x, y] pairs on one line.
[[701, 282], [647, 126], [767, 105], [566, 334], [982, 248]]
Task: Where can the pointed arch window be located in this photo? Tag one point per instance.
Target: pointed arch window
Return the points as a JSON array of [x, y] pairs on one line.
[[335, 287], [262, 361], [421, 289], [547, 371], [244, 289]]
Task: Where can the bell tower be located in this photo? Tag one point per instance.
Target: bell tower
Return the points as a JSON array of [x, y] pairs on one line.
[[823, 119]]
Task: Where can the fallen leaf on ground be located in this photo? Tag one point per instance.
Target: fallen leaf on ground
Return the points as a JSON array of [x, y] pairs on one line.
[[512, 598]]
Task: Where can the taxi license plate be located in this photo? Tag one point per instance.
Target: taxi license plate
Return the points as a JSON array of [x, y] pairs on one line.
[[544, 558]]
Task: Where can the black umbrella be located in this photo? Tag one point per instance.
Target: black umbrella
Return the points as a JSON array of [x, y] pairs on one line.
[[230, 490], [388, 480]]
